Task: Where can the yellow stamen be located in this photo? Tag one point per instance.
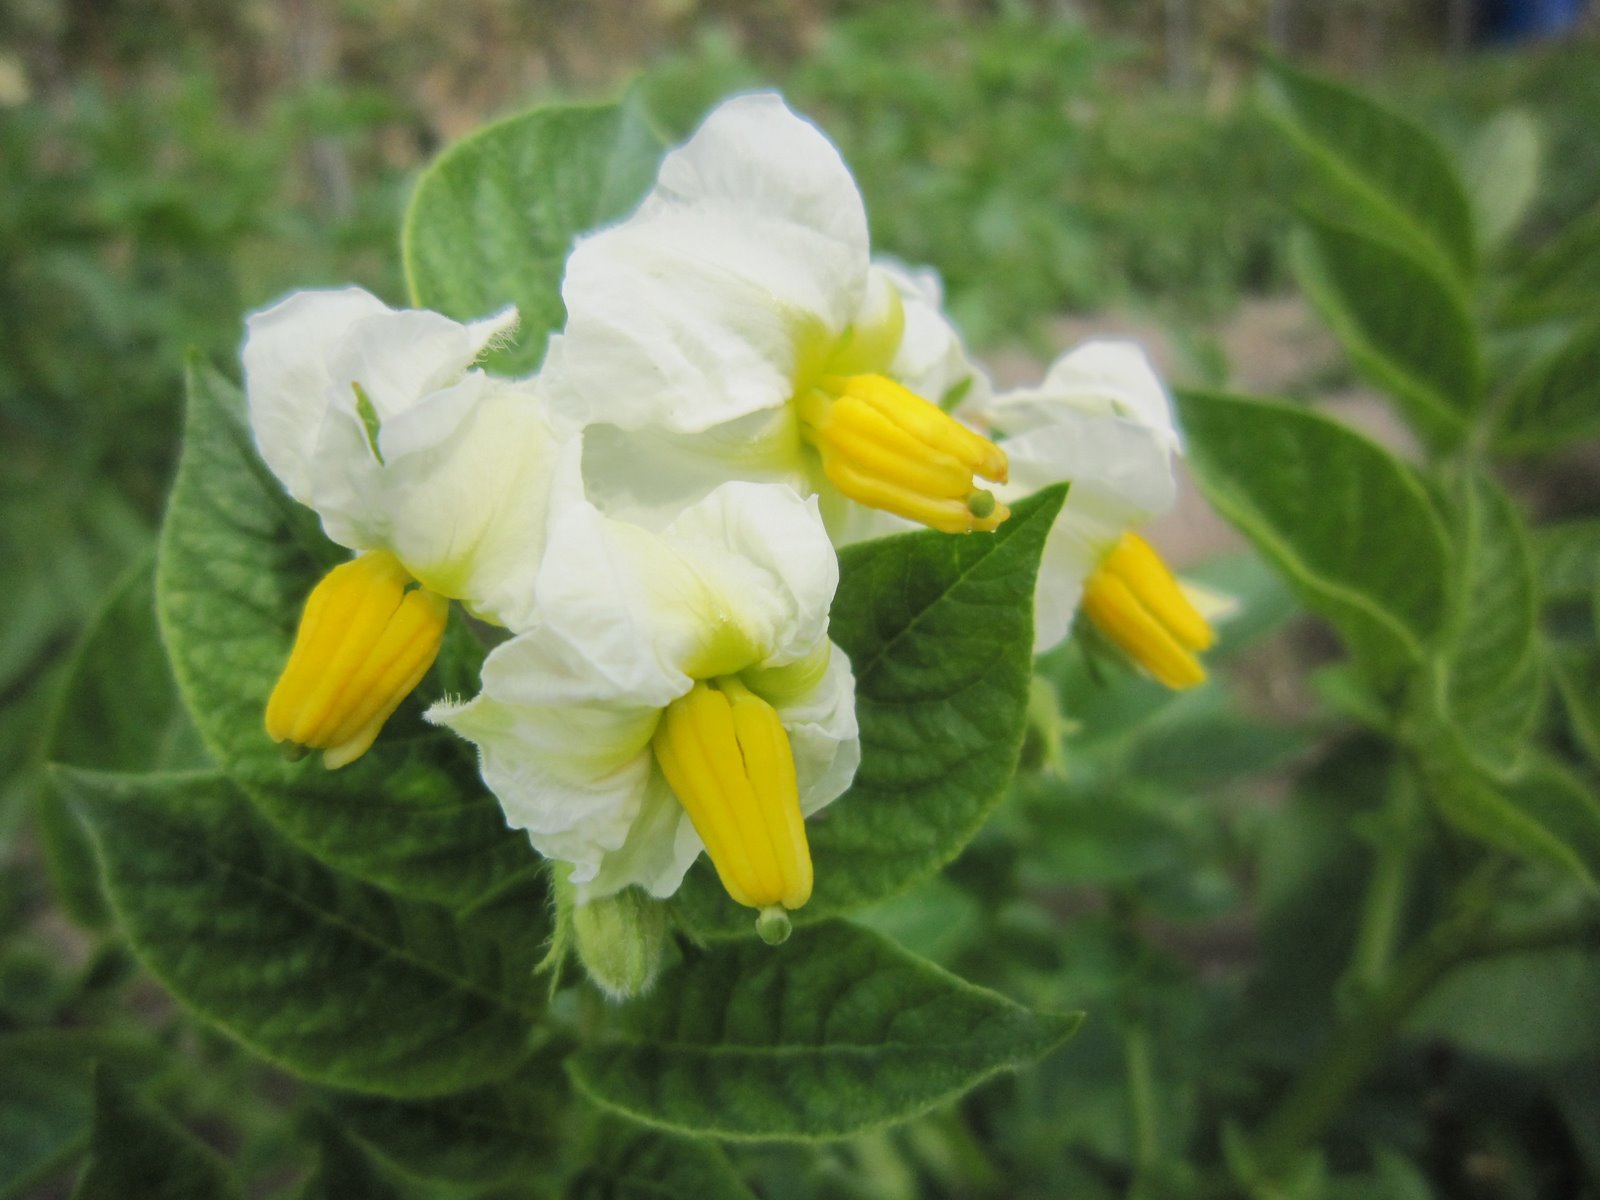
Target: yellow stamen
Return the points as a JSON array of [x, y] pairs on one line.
[[886, 447], [368, 635], [1133, 599], [726, 756]]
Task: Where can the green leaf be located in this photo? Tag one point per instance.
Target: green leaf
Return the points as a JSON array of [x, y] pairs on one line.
[[1534, 1009], [1569, 559], [1379, 169], [1556, 401], [138, 1151], [1503, 173], [1544, 814], [493, 220], [939, 630], [344, 1172], [1489, 681], [237, 560], [1403, 324], [1577, 674], [1350, 525], [332, 979], [834, 1032], [1562, 279], [46, 1096], [480, 1137], [631, 1163], [118, 710]]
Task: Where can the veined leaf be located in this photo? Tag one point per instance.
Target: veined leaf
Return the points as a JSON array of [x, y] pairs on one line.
[[1403, 324], [118, 711], [1490, 677], [834, 1032], [485, 1136], [344, 1172], [333, 979], [1557, 400], [1577, 675], [1384, 172], [939, 630], [632, 1163], [1348, 523], [1562, 279], [237, 560], [137, 1151], [1544, 814], [493, 220], [1569, 559]]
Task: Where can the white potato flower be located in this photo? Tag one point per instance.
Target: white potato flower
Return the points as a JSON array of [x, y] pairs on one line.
[[735, 326], [678, 692], [435, 473], [1102, 420]]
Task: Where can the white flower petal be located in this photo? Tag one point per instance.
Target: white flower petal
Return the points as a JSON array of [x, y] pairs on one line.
[[744, 525], [1105, 377], [648, 476], [286, 353], [740, 579], [1101, 420], [754, 152], [824, 735], [932, 359], [702, 306], [1117, 461], [565, 752], [660, 848]]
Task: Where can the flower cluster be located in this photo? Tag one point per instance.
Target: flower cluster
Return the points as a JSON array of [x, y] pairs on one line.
[[652, 519]]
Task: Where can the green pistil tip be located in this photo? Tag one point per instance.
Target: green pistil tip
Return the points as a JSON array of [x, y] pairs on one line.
[[772, 923], [980, 503]]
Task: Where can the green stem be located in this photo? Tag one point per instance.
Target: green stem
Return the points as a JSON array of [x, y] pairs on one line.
[[1386, 892], [1141, 1095], [1357, 1044]]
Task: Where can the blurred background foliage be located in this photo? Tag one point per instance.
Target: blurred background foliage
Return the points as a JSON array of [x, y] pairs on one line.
[[171, 164]]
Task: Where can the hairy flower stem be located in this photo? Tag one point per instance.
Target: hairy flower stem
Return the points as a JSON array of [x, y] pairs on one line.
[[1359, 1042]]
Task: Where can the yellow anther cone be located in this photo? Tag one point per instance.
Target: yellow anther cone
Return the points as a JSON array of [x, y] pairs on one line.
[[368, 635], [886, 447], [726, 756], [1134, 600]]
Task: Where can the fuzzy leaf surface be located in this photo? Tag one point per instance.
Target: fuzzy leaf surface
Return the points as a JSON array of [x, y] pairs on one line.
[[834, 1032], [333, 979], [1347, 523], [493, 220], [1491, 674], [1380, 168], [1557, 400], [1404, 324], [118, 711], [634, 1163]]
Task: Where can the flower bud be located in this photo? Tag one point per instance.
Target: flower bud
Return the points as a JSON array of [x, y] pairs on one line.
[[619, 940]]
